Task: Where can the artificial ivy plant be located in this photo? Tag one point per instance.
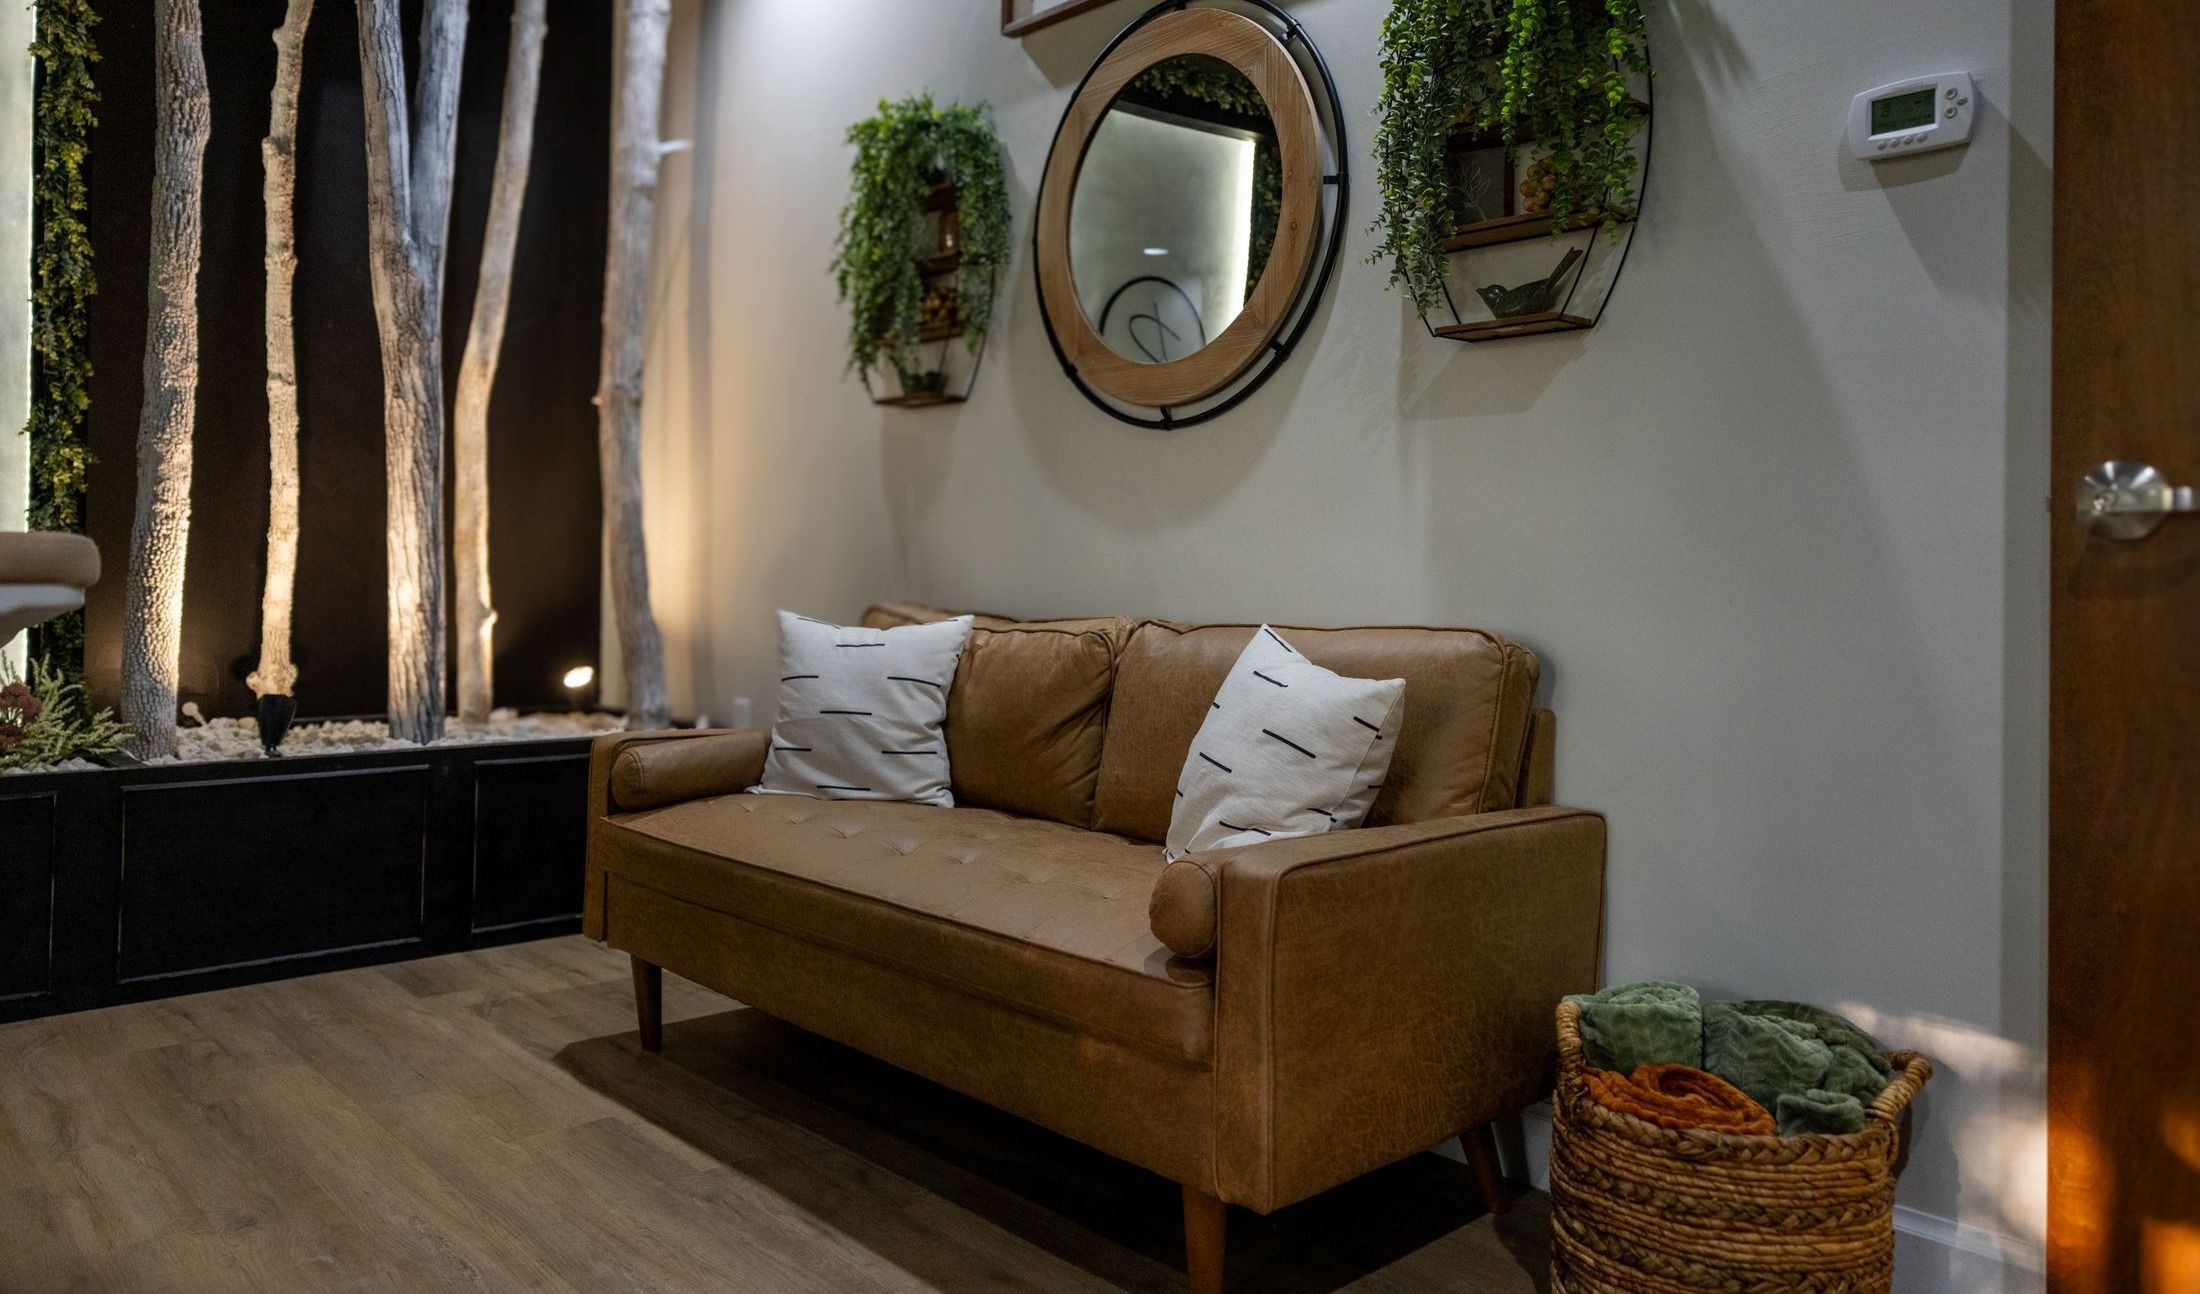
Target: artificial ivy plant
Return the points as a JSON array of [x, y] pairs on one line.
[[1553, 73], [902, 154], [61, 290]]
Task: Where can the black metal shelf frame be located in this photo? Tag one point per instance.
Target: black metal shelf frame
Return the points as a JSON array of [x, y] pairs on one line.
[[1594, 231]]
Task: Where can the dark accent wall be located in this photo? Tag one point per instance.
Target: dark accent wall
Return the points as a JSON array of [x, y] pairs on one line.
[[545, 550]]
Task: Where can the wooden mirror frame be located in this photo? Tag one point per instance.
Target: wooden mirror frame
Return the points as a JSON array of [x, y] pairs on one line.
[[1256, 53]]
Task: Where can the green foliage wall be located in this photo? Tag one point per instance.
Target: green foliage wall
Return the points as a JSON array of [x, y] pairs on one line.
[[61, 263], [62, 284]]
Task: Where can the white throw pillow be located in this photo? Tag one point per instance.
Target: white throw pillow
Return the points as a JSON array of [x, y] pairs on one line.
[[863, 712], [1287, 749]]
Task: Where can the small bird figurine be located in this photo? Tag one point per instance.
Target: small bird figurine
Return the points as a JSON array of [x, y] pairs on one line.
[[1527, 298]]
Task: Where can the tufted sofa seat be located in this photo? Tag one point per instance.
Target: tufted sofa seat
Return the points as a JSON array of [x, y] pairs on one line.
[[1037, 916], [1257, 1024]]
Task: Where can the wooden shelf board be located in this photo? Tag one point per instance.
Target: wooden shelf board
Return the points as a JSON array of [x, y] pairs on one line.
[[1512, 229], [1515, 326], [940, 332], [919, 400], [933, 267]]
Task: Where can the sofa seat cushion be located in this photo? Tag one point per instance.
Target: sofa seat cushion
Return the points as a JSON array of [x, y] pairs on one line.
[[1047, 918]]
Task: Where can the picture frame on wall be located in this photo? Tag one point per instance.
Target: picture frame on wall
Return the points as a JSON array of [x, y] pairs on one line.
[[1481, 179], [1021, 16]]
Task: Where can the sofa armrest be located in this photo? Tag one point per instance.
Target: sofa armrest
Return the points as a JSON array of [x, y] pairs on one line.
[[629, 771], [1382, 989]]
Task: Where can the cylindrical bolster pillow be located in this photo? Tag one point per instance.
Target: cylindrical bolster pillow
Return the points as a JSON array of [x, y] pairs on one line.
[[1183, 908], [656, 773]]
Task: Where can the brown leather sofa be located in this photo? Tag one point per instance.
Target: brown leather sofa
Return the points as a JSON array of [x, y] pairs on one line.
[[1257, 1024]]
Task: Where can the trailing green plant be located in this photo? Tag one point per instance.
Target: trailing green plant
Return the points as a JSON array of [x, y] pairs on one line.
[[902, 155], [1551, 73], [44, 721], [62, 285]]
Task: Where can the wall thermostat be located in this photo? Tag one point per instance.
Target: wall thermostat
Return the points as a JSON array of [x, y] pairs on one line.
[[1913, 116]]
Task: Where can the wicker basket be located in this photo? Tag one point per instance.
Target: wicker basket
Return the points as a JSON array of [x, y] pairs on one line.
[[1640, 1209]]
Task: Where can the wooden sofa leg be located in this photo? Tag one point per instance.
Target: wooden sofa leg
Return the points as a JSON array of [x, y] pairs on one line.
[[1204, 1225], [649, 1003], [1489, 1173]]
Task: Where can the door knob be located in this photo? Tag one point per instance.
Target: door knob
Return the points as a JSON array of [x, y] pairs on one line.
[[2129, 500]]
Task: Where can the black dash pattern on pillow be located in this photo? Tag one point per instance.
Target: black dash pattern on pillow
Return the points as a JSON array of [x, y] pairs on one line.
[[1287, 749], [863, 712]]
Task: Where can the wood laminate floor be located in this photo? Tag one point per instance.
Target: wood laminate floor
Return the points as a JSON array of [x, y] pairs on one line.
[[487, 1121]]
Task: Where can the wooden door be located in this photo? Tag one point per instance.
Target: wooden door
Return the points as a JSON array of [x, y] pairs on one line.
[[2124, 716]]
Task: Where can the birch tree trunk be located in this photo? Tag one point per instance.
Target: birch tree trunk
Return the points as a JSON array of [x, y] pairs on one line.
[[277, 675], [477, 372], [434, 143], [404, 234], [634, 154], [152, 628]]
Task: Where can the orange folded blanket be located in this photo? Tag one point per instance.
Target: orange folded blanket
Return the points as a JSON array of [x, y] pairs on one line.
[[1681, 1096]]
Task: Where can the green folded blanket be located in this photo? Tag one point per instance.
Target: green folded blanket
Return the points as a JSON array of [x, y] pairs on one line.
[[1818, 1111], [1853, 1049], [1790, 1049], [1641, 1024], [1813, 1069]]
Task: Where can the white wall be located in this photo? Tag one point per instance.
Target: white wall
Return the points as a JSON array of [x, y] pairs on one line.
[[1776, 527], [16, 81]]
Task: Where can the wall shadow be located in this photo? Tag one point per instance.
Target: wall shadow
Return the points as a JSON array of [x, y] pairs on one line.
[[719, 1074]]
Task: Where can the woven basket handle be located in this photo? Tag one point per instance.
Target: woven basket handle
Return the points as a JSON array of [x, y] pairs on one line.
[[1570, 1062], [1911, 1071]]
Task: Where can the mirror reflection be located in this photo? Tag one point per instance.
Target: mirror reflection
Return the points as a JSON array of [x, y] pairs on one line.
[[1175, 209]]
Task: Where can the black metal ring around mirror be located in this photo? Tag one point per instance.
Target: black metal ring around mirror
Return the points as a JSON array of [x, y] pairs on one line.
[[1131, 318]]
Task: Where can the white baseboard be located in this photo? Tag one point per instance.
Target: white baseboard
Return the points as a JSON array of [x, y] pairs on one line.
[[1937, 1255]]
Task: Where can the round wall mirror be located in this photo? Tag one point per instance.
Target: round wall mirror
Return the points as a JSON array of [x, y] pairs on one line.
[[1189, 212], [1175, 209]]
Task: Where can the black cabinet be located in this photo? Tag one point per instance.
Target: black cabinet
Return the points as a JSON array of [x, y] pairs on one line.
[[26, 893], [130, 883], [530, 826], [258, 869]]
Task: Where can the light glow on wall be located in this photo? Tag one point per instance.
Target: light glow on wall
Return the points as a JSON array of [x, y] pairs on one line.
[[1240, 204], [16, 81]]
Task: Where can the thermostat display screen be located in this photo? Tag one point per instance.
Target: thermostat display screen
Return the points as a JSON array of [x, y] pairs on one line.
[[1903, 111]]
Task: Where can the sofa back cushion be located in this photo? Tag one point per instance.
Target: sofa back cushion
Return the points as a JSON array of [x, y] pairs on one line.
[[893, 615], [1466, 712], [1028, 711]]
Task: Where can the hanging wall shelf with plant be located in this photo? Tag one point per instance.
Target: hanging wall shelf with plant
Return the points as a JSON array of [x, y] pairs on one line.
[[1554, 84], [922, 241]]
